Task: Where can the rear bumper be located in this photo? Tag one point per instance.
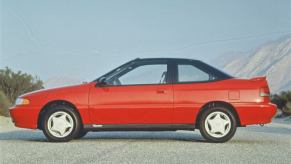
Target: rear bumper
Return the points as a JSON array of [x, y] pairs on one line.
[[250, 114], [25, 116]]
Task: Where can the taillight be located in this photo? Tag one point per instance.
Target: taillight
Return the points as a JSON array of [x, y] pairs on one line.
[[265, 92]]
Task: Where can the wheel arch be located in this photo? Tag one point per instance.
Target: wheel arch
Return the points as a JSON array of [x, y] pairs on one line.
[[53, 103], [229, 106]]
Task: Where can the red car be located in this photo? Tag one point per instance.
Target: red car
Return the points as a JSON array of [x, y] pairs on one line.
[[160, 94]]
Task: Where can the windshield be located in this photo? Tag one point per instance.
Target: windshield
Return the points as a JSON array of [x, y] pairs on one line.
[[115, 71]]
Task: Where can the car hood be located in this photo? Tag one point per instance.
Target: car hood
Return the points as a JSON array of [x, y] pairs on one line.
[[51, 90]]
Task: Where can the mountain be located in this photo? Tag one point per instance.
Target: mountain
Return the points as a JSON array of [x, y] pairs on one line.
[[272, 60]]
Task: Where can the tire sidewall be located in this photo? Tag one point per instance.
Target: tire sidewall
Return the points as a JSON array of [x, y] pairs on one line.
[[68, 110], [210, 138]]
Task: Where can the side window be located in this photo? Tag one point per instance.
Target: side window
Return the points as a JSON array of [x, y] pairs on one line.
[[190, 73], [144, 74]]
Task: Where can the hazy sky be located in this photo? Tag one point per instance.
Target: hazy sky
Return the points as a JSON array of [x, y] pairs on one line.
[[84, 39]]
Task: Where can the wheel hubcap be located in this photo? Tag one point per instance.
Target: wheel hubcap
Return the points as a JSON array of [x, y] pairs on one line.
[[217, 124], [60, 124]]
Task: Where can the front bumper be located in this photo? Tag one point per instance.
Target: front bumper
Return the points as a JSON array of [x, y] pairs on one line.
[[25, 116], [250, 114]]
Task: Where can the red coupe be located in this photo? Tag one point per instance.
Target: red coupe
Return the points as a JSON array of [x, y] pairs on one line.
[[162, 94]]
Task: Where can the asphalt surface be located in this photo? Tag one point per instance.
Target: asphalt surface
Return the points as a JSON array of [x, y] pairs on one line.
[[254, 144]]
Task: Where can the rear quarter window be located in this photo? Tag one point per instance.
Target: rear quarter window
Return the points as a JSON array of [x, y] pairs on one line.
[[190, 73]]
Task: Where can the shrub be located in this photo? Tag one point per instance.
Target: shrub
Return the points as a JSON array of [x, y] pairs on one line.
[[283, 102], [4, 104], [14, 84]]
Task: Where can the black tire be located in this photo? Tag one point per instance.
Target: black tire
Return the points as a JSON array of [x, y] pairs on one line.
[[209, 137], [75, 122], [81, 134]]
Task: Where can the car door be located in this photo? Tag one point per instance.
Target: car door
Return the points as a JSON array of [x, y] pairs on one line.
[[191, 90], [140, 94]]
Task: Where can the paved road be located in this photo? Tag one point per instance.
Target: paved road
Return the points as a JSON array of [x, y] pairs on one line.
[[270, 144]]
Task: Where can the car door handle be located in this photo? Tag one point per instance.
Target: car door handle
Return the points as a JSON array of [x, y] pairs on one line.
[[161, 91]]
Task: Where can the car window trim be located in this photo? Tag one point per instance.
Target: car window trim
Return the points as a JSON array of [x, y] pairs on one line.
[[142, 63]]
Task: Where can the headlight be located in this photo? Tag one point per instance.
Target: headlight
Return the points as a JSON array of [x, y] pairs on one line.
[[21, 101]]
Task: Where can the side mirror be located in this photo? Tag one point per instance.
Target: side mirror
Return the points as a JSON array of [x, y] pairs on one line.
[[101, 82]]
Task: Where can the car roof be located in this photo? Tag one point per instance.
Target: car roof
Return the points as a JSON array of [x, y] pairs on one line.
[[172, 59]]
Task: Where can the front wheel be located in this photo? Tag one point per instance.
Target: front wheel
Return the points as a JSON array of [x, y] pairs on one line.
[[217, 124], [60, 124]]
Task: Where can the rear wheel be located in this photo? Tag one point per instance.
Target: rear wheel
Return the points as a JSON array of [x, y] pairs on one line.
[[60, 123], [217, 124]]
